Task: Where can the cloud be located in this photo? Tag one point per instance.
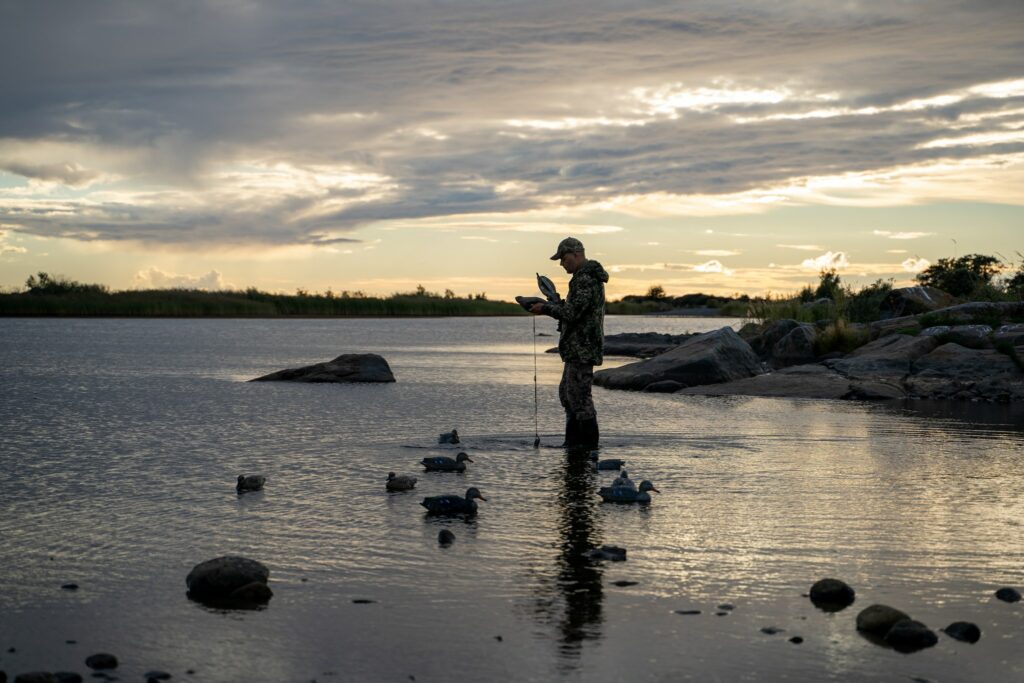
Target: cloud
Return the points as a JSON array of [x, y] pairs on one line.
[[154, 278], [902, 235], [712, 266], [915, 265], [260, 124], [717, 252], [828, 260], [801, 247]]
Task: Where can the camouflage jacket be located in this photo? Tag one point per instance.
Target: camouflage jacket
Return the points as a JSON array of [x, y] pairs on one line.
[[581, 315]]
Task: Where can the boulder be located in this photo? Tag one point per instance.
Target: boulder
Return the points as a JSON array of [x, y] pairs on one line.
[[349, 367], [963, 631], [908, 635], [798, 381], [101, 661], [889, 356], [641, 344], [1009, 334], [231, 579], [909, 324], [878, 619], [954, 361], [668, 386], [796, 348], [832, 595], [971, 336], [1008, 594], [763, 343], [709, 358], [910, 300]]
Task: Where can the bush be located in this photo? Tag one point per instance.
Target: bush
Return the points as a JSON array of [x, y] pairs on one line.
[[864, 306], [961, 276], [839, 336]]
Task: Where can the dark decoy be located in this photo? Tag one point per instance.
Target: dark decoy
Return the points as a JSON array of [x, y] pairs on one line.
[[626, 494], [611, 464], [452, 504], [449, 437], [442, 463], [445, 537], [250, 482], [402, 482], [623, 480], [610, 553]]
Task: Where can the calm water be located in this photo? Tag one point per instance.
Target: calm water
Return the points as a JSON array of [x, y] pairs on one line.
[[121, 441]]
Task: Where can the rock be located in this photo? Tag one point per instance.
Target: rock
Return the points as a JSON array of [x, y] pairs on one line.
[[908, 635], [1008, 594], [957, 362], [796, 348], [832, 595], [980, 312], [763, 343], [796, 640], [708, 358], [363, 601], [910, 300], [728, 606], [910, 324], [749, 331], [686, 611], [772, 630], [668, 386], [349, 367], [878, 619], [70, 586], [799, 381], [641, 344], [157, 675], [623, 583], [1009, 334], [888, 357], [229, 578], [971, 336], [36, 677], [964, 631], [101, 661], [67, 676]]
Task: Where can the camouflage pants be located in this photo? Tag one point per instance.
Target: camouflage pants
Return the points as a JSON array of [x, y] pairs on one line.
[[574, 391]]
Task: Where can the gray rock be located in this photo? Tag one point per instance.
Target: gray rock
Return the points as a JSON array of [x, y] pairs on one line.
[[101, 661], [229, 578], [909, 324], [1009, 334], [889, 357], [349, 367], [963, 631], [641, 344], [971, 336], [763, 343], [910, 300], [796, 348], [954, 361], [1008, 594], [908, 635], [878, 619], [709, 358], [832, 595], [668, 386], [799, 381]]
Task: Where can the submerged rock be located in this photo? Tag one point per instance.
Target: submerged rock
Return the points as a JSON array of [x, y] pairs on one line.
[[230, 579], [908, 635], [878, 619], [832, 595], [1008, 594], [349, 367], [101, 661], [963, 631]]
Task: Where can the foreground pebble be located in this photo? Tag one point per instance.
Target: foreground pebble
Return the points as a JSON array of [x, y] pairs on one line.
[[1008, 594], [963, 631], [832, 595], [878, 619], [229, 578], [909, 635]]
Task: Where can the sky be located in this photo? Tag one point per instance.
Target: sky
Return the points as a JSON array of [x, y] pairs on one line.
[[708, 146]]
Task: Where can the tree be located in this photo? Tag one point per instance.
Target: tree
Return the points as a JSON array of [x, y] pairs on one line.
[[829, 285], [961, 276], [656, 292], [44, 283]]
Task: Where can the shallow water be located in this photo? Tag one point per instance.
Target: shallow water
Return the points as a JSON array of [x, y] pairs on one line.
[[122, 439]]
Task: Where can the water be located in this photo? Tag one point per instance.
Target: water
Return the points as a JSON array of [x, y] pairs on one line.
[[122, 439]]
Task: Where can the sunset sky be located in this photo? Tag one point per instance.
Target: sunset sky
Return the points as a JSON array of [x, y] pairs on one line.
[[720, 146]]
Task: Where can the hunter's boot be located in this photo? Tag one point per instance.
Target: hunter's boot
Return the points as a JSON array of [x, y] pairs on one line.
[[572, 433], [589, 434]]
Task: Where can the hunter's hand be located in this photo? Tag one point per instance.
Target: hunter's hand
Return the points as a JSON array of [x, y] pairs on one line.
[[537, 309]]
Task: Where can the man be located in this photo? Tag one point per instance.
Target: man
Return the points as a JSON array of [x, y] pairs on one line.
[[581, 343]]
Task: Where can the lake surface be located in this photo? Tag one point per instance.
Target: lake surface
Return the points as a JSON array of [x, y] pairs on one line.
[[120, 442]]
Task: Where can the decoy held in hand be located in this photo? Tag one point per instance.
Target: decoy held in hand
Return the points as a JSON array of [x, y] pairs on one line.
[[401, 482], [625, 494], [611, 464], [443, 463], [449, 437], [250, 482], [452, 504]]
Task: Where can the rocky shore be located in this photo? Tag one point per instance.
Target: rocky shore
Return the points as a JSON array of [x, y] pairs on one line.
[[972, 351]]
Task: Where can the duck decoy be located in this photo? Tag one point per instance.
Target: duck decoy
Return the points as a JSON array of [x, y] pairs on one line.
[[623, 480], [611, 464], [250, 482], [452, 504], [625, 494], [442, 463], [611, 553], [402, 482], [449, 437]]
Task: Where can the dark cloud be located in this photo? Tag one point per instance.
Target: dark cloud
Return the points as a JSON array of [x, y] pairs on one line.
[[440, 101]]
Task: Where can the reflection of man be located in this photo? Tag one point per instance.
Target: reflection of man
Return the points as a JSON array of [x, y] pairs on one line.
[[581, 344]]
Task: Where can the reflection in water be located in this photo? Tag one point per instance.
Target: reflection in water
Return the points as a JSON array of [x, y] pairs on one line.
[[577, 583]]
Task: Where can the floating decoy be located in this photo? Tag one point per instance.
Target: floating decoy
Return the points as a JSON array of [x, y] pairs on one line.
[[399, 483], [449, 437], [611, 464], [250, 482], [445, 537], [452, 504], [442, 463], [611, 553], [625, 494], [623, 480]]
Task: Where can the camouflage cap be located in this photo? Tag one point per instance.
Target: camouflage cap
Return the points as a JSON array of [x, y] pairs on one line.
[[566, 246]]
